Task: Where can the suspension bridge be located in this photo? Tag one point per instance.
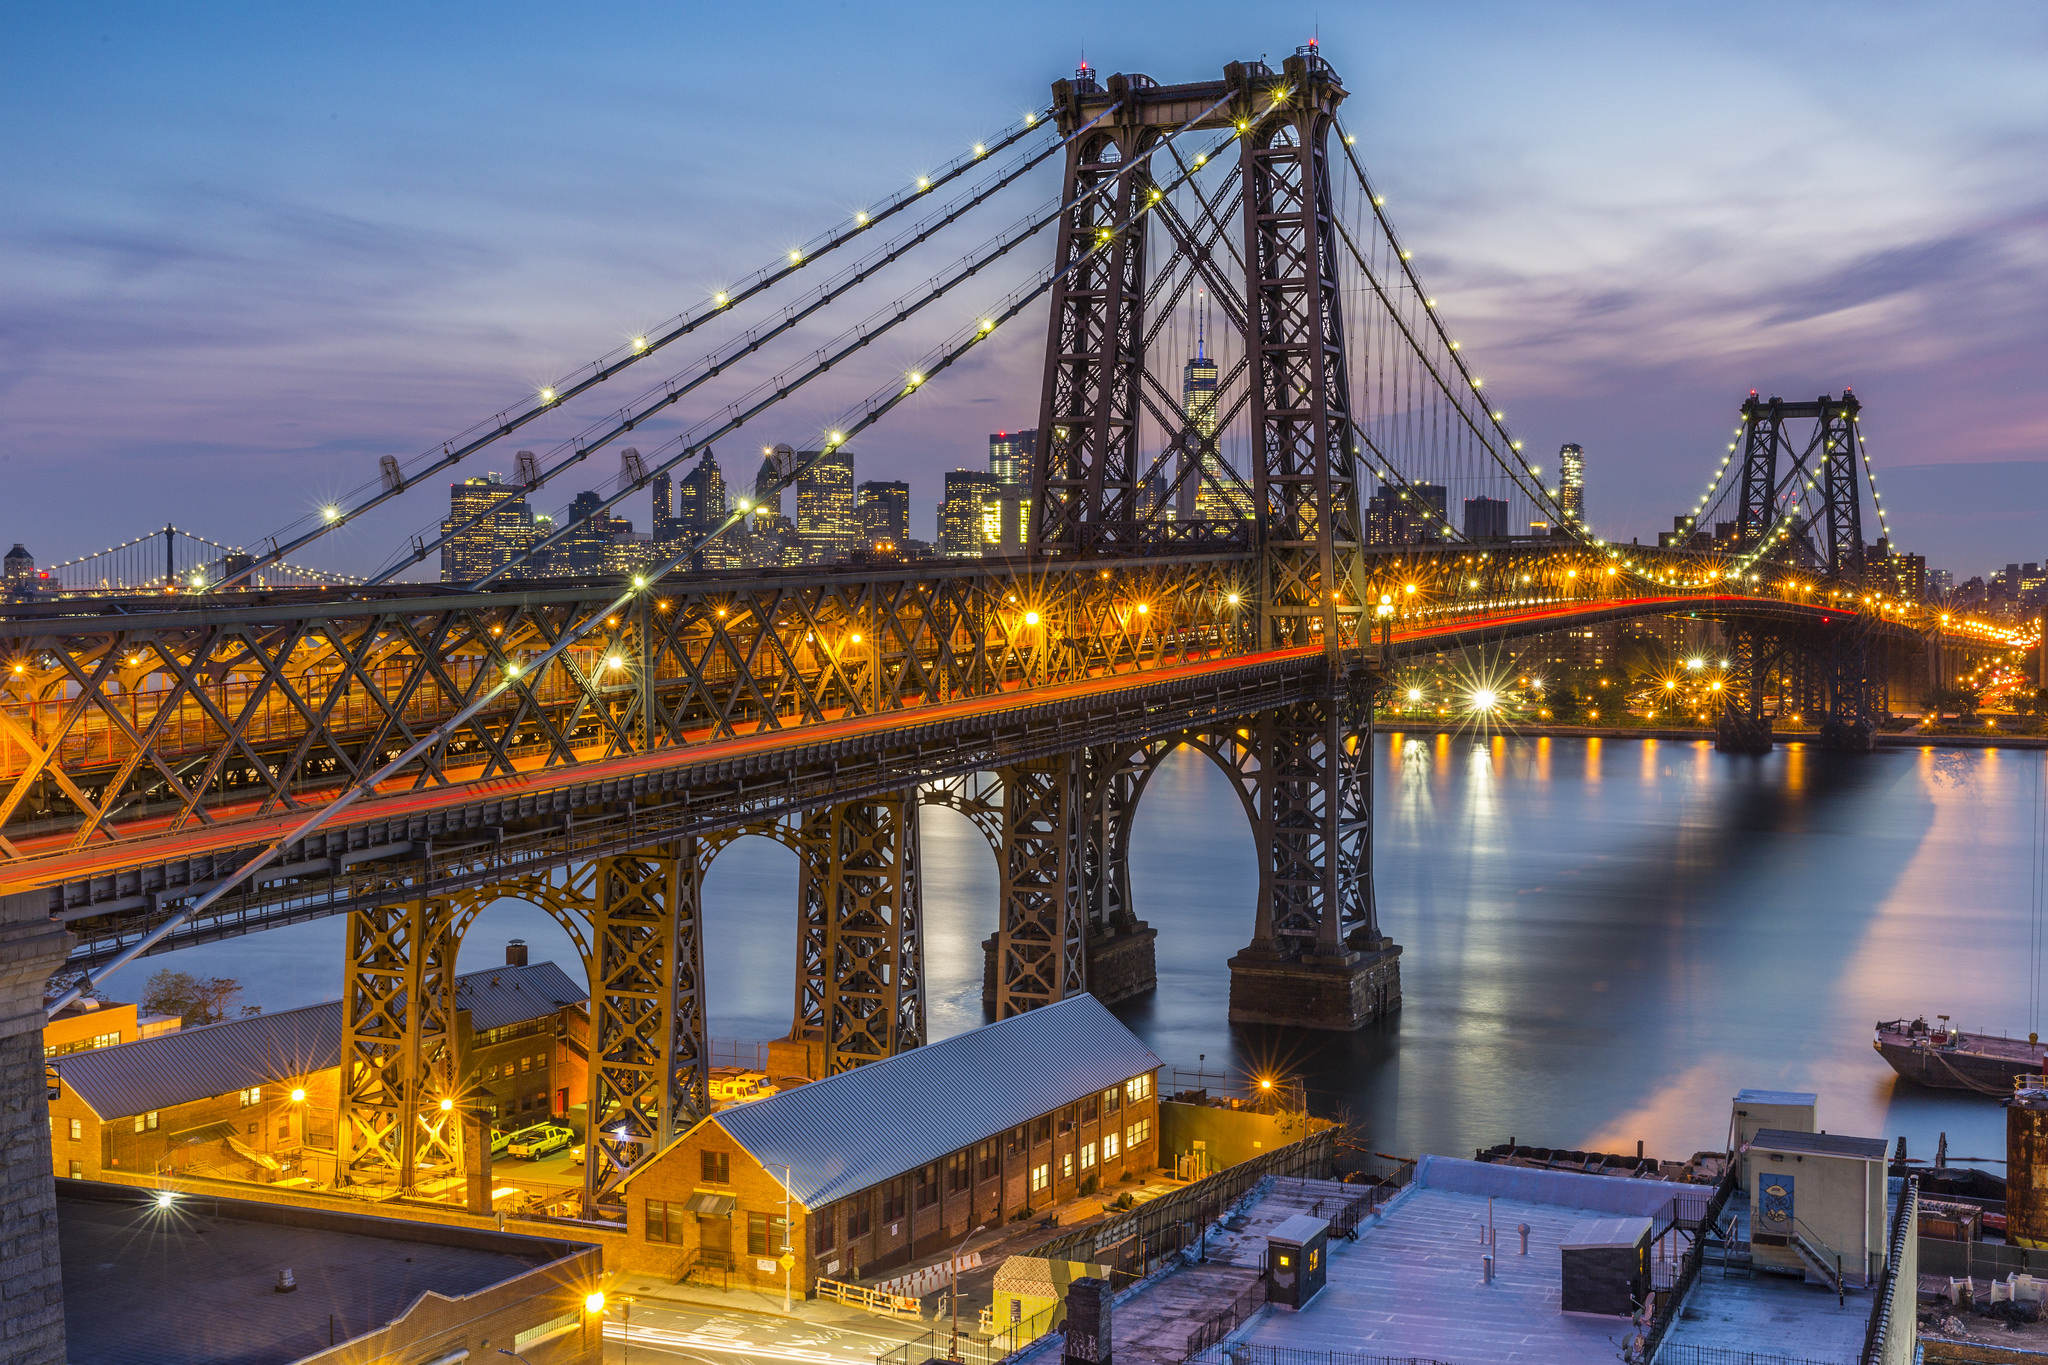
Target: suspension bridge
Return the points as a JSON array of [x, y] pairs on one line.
[[213, 757]]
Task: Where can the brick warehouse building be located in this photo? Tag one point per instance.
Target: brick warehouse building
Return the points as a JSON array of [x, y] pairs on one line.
[[220, 1100], [900, 1159]]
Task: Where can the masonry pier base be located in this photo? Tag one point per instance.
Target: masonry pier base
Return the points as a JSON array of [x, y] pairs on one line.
[[1740, 734], [1844, 737], [1121, 965], [1337, 992]]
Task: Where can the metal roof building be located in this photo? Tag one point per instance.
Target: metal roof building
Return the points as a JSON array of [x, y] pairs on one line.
[[218, 1059], [879, 1121]]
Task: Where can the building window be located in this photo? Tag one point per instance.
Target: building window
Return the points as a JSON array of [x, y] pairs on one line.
[[1066, 1118], [1138, 1088], [765, 1235], [77, 1130], [1112, 1100], [152, 1117], [664, 1221], [253, 1095], [1041, 1129], [895, 1197], [991, 1160], [1090, 1109], [716, 1167], [821, 1231], [1138, 1134], [1041, 1177], [1087, 1156], [927, 1186], [105, 1039], [78, 1170], [957, 1177], [1109, 1145], [1017, 1139], [860, 1215], [1067, 1166], [525, 1064]]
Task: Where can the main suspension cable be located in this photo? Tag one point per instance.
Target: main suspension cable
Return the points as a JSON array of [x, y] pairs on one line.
[[575, 631], [394, 480]]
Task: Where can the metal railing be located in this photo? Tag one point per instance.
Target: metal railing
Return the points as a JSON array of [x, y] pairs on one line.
[[1668, 1301], [1244, 1353], [1888, 1340], [974, 1348], [1679, 1353], [1164, 1225], [1220, 1324]]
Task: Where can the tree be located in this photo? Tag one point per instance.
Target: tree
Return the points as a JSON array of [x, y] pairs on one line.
[[195, 1000]]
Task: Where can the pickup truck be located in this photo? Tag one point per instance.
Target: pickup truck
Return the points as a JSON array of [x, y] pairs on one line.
[[543, 1139]]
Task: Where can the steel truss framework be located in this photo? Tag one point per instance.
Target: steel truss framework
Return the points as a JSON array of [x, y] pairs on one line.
[[1042, 932], [398, 1045], [1777, 472], [1829, 675], [860, 974]]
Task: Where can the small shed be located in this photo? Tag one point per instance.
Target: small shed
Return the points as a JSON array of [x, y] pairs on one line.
[[1606, 1265], [1297, 1252]]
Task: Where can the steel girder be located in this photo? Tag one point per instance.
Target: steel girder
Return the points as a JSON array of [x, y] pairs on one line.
[[133, 728], [1303, 472], [1827, 462], [860, 974], [650, 1072], [1315, 824], [1084, 480], [398, 1046], [1041, 938]]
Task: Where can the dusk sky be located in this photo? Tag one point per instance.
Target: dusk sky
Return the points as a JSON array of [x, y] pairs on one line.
[[250, 249]]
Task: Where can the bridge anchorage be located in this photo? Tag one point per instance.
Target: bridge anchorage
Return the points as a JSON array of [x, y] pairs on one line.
[[1233, 535]]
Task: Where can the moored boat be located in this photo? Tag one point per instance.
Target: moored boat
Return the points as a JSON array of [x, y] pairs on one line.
[[1946, 1058]]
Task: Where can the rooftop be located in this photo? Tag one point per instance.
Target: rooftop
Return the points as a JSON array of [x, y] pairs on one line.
[[1775, 1097], [218, 1059], [1819, 1144], [861, 1127], [193, 1284]]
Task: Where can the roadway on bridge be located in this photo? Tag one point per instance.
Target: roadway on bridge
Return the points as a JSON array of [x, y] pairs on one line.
[[140, 846]]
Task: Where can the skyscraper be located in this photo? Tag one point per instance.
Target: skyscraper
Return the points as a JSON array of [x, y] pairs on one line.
[[1010, 454], [1486, 519], [700, 509], [826, 516], [1221, 496], [1406, 516], [1571, 483], [663, 524], [473, 552], [963, 516], [884, 513], [582, 549]]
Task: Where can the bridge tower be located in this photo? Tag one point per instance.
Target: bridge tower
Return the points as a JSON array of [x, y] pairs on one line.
[[1317, 957]]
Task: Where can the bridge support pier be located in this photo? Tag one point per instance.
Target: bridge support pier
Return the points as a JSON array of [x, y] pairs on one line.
[[860, 978], [31, 1290], [650, 1062], [1317, 958], [1119, 952], [1041, 938], [398, 1046]]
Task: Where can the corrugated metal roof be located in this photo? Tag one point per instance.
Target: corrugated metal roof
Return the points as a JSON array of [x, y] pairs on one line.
[[876, 1122], [219, 1059]]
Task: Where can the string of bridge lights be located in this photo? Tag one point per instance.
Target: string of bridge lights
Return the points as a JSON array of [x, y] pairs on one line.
[[366, 496], [975, 334]]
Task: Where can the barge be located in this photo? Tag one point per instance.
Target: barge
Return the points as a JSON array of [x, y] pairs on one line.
[[1945, 1058]]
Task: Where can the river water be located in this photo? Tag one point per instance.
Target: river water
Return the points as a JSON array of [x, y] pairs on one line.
[[1604, 939]]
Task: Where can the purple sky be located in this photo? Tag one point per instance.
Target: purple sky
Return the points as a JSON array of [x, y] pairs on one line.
[[248, 250]]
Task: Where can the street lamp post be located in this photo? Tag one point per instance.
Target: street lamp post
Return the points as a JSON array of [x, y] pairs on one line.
[[953, 1288], [788, 1253]]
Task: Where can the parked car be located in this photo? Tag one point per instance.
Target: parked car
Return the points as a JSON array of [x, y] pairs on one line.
[[543, 1139], [501, 1138]]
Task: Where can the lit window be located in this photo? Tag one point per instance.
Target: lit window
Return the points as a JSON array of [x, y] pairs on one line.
[[1087, 1155], [1110, 1146], [78, 1170], [1067, 1166], [77, 1130], [1138, 1134], [253, 1095], [1041, 1177], [1138, 1088]]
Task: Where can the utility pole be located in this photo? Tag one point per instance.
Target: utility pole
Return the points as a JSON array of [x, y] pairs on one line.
[[953, 1289], [788, 1253]]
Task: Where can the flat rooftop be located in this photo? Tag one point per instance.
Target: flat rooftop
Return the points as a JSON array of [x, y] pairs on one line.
[[192, 1284]]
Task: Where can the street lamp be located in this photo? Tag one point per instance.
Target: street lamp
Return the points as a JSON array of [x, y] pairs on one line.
[[788, 1252], [953, 1288]]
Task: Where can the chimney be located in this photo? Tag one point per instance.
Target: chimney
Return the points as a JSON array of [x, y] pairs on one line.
[[515, 953]]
